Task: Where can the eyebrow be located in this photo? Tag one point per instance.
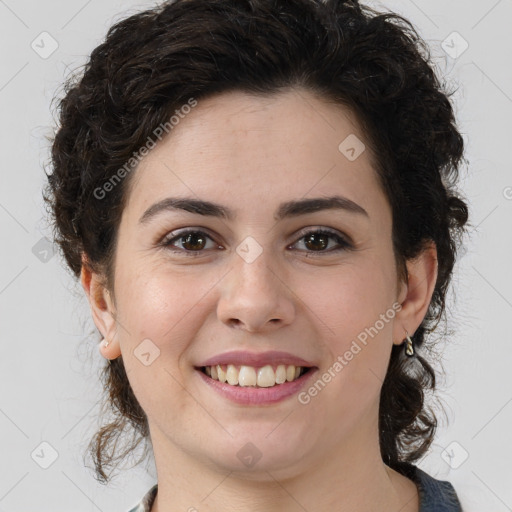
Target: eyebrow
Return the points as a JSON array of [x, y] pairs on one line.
[[285, 210]]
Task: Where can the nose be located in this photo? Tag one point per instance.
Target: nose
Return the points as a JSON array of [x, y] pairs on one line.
[[255, 297]]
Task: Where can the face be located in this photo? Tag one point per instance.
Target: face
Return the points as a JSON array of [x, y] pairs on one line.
[[317, 285]]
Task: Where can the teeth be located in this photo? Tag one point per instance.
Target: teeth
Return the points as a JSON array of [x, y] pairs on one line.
[[232, 375], [247, 376], [264, 377], [281, 374], [221, 373]]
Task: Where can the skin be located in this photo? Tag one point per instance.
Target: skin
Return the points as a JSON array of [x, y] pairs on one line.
[[252, 153]]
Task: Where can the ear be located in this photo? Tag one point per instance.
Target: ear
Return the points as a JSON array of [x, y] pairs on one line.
[[415, 295], [102, 309]]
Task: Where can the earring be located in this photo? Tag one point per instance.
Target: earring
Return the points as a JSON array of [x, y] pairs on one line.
[[105, 342], [409, 347]]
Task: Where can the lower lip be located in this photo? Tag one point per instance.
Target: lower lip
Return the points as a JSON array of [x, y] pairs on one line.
[[248, 395]]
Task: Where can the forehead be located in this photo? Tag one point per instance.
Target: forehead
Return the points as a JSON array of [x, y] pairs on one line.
[[250, 151]]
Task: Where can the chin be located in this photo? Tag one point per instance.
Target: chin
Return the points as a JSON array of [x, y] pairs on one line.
[[254, 456]]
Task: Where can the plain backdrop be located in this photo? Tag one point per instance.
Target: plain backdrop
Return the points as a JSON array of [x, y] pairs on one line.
[[49, 365]]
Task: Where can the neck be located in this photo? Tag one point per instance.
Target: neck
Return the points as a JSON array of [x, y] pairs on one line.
[[351, 478]]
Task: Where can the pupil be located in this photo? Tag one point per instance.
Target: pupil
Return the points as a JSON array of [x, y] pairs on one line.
[[322, 237], [192, 239]]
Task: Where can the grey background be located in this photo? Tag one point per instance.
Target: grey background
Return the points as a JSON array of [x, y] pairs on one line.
[[49, 389]]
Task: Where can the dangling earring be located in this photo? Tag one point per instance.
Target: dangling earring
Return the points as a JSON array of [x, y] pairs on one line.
[[409, 347]]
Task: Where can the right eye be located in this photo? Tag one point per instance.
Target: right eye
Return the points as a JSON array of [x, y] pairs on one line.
[[192, 242]]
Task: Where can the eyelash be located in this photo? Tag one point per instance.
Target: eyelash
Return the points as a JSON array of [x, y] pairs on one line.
[[344, 245]]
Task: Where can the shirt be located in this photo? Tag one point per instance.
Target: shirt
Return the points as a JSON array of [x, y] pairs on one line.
[[435, 495]]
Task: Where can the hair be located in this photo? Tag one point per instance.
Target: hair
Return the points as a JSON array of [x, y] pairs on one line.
[[375, 63]]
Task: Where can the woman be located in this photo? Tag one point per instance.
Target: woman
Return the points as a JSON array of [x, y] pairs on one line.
[[259, 200]]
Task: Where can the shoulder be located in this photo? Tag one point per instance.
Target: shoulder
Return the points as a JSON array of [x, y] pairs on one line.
[[147, 501], [435, 495]]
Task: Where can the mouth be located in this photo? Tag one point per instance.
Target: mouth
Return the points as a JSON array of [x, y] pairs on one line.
[[255, 379], [267, 376], [256, 386]]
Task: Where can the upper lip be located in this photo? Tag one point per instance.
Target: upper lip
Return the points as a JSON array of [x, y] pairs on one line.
[[273, 357]]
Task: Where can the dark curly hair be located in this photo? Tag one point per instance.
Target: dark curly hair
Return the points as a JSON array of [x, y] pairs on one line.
[[374, 63]]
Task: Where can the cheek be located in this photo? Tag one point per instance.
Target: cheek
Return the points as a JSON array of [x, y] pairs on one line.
[[352, 300], [161, 311], [357, 311], [159, 315], [155, 303]]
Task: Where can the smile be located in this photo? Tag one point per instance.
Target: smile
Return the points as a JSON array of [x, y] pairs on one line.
[[263, 377], [249, 385]]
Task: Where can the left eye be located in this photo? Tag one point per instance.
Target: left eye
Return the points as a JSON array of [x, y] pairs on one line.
[[194, 241], [319, 240]]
